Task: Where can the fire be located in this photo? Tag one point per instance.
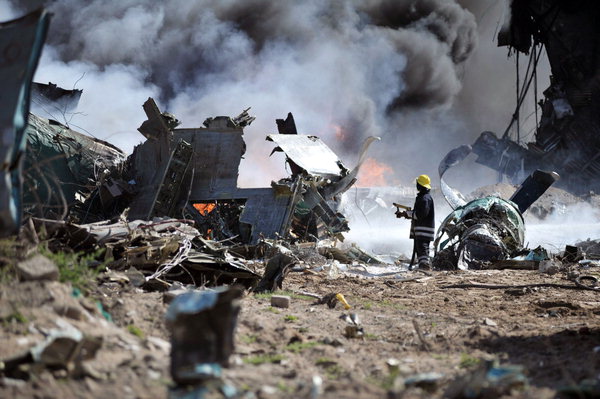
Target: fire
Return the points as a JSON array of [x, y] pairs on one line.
[[204, 208], [339, 132], [373, 173]]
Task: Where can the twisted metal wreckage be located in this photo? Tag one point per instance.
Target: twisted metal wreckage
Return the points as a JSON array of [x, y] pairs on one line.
[[188, 173], [484, 231], [185, 174], [191, 174], [77, 186], [567, 136], [85, 192]]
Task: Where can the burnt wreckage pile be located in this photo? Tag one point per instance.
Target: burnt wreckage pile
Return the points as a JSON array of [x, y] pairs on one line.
[[175, 201], [188, 173], [485, 231]]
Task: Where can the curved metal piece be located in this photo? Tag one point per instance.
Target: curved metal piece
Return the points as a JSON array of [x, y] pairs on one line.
[[453, 197], [593, 287]]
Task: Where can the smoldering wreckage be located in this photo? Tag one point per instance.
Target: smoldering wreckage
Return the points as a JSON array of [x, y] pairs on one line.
[[170, 217]]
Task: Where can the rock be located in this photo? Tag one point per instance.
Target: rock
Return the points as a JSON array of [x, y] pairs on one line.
[[62, 347], [549, 267], [280, 301], [136, 277], [86, 370], [490, 322], [159, 343], [12, 382], [267, 392], [332, 341], [393, 365], [37, 268], [478, 332], [154, 375], [60, 373], [6, 310], [89, 305], [290, 374], [70, 311]]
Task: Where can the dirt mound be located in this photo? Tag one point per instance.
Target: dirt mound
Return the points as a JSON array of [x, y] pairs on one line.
[[502, 190]]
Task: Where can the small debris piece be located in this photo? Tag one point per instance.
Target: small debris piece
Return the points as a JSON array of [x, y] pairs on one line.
[[332, 342], [332, 299], [280, 301], [353, 329], [202, 325], [489, 380], [424, 342], [489, 322], [341, 298], [37, 268], [277, 268], [549, 267], [572, 254]]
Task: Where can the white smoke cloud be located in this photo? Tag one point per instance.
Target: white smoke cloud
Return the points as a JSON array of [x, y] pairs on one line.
[[7, 11], [363, 66], [566, 225], [113, 112]]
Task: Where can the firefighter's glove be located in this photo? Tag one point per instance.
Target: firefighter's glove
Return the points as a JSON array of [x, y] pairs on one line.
[[402, 214]]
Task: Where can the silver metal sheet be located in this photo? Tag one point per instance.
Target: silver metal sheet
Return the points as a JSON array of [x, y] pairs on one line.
[[310, 153], [454, 198]]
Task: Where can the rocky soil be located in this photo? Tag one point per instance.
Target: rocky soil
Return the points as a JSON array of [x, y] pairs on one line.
[[412, 325]]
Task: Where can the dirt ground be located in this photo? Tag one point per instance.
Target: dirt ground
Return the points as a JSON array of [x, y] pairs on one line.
[[410, 327]]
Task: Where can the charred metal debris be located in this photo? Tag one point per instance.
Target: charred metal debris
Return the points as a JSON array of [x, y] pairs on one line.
[[567, 133], [187, 173], [486, 231], [172, 209]]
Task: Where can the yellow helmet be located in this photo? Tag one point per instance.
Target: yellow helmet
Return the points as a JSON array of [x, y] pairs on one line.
[[424, 181]]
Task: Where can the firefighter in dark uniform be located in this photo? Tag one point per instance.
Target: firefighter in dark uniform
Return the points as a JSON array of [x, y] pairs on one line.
[[422, 228]]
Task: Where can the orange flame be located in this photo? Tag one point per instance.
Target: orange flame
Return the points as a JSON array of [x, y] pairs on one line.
[[373, 173], [205, 209], [339, 132]]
